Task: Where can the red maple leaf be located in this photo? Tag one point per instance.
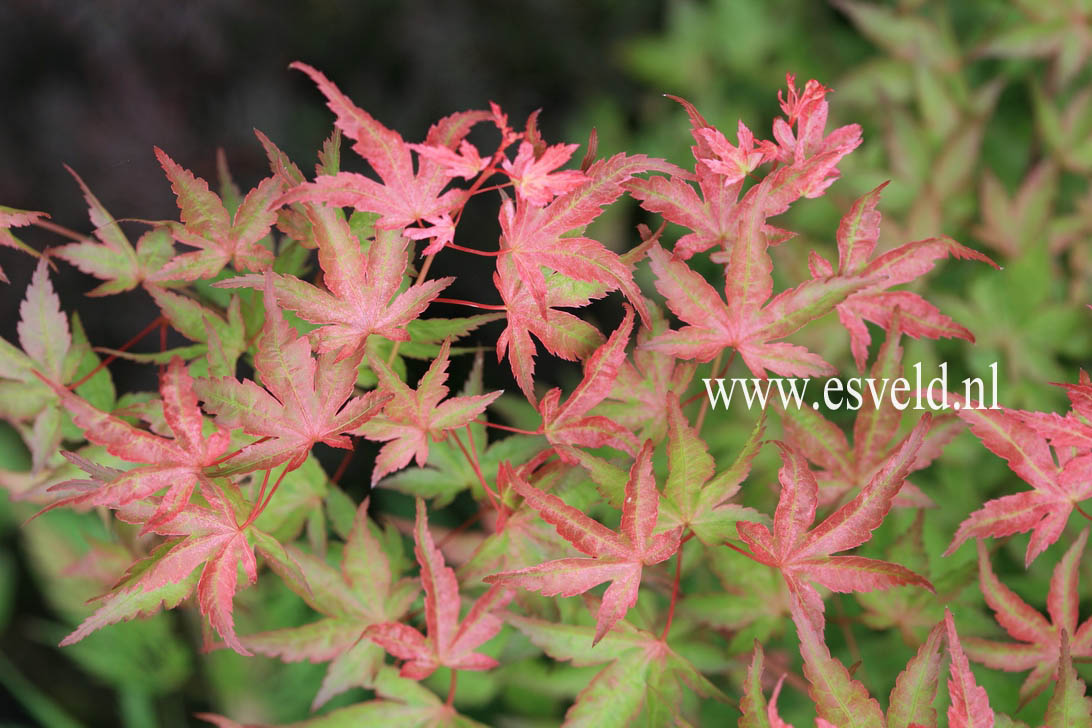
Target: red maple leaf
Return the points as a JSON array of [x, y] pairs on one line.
[[363, 295], [1074, 429], [803, 554], [617, 557], [1038, 642], [1057, 486], [207, 225], [304, 401], [403, 197], [468, 163], [568, 425], [858, 233], [803, 170], [175, 464], [198, 536], [534, 237], [733, 162], [449, 643], [846, 469], [746, 322], [644, 389], [533, 177], [970, 707], [412, 418], [564, 335]]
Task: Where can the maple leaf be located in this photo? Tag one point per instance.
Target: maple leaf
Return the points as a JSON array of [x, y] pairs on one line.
[[693, 497], [449, 643], [533, 237], [206, 224], [11, 217], [644, 388], [746, 322], [1068, 705], [803, 554], [644, 681], [734, 162], [222, 336], [113, 259], [412, 418], [846, 469], [304, 401], [714, 218], [809, 153], [176, 464], [907, 609], [198, 536], [55, 351], [858, 233], [441, 232], [361, 593], [129, 600], [532, 176], [839, 699], [970, 707], [1013, 225], [363, 295], [467, 163], [1057, 488], [447, 471], [1072, 429], [564, 335], [1038, 641], [403, 197], [617, 557], [568, 425]]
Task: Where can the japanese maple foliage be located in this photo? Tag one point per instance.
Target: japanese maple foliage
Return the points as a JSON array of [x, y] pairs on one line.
[[607, 485]]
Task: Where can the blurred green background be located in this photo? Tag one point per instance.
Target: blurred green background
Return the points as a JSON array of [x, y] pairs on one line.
[[980, 114]]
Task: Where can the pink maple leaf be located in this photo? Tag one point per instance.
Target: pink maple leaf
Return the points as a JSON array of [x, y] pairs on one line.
[[1038, 642], [448, 643], [534, 179], [403, 196], [733, 162], [844, 468], [568, 425], [1056, 486], [564, 335], [176, 464], [207, 225], [969, 707], [804, 554], [466, 163], [858, 234], [617, 557], [746, 320], [412, 418], [304, 401], [363, 295], [10, 217], [536, 237]]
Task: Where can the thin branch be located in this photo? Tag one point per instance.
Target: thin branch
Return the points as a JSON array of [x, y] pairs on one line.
[[159, 320], [674, 594]]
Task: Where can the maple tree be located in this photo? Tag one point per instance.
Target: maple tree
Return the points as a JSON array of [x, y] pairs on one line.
[[608, 485]]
